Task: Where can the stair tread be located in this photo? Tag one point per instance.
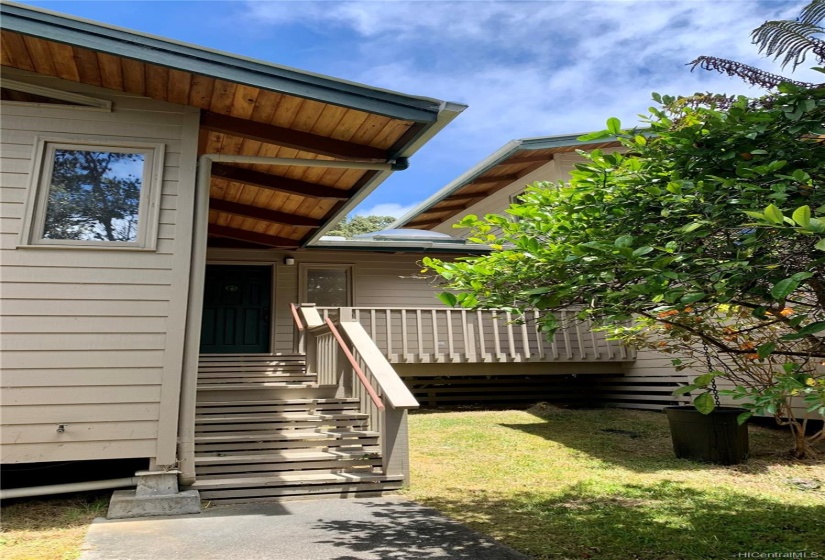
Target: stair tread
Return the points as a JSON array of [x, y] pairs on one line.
[[283, 455], [258, 385], [293, 479], [285, 435], [276, 402], [236, 417]]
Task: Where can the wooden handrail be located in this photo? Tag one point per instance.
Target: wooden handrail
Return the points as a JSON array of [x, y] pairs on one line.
[[296, 317], [354, 363]]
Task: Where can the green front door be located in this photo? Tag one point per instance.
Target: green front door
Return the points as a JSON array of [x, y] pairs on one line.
[[236, 309]]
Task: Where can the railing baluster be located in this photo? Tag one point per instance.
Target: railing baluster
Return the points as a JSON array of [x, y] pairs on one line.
[[450, 342], [580, 340], [525, 338], [510, 342], [481, 342], [566, 334], [496, 335], [388, 315], [436, 347], [405, 349], [540, 338], [419, 332]]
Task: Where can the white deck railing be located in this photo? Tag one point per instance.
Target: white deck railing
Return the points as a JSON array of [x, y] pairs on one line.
[[342, 354], [442, 335]]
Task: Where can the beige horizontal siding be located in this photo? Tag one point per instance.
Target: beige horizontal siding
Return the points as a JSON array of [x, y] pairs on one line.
[[79, 431], [45, 414], [68, 450], [80, 377], [89, 395], [80, 359], [92, 337]]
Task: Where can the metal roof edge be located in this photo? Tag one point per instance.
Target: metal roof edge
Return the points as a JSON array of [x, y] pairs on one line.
[[484, 165], [400, 246], [496, 158], [117, 41]]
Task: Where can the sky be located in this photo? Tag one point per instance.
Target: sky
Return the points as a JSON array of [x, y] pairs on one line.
[[525, 69]]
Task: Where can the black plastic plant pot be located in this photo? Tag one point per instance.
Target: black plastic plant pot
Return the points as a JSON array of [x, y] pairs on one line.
[[708, 438]]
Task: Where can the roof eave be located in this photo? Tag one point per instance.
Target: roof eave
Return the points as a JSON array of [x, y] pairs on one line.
[[496, 158], [60, 28], [447, 113]]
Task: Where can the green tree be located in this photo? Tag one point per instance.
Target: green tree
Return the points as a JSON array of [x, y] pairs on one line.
[[356, 225], [707, 236], [711, 214]]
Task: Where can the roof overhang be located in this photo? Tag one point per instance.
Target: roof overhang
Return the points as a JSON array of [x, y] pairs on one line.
[[508, 164], [248, 108], [429, 247]]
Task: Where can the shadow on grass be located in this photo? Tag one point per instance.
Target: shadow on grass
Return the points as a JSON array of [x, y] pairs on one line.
[[640, 440], [408, 531], [667, 521]]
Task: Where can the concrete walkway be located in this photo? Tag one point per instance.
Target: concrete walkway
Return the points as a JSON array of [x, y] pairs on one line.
[[355, 529]]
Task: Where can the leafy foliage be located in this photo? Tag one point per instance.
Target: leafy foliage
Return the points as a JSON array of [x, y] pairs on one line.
[[714, 216], [356, 225], [792, 40]]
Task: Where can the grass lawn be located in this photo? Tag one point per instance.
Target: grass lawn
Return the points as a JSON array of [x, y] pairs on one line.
[[553, 484], [48, 528]]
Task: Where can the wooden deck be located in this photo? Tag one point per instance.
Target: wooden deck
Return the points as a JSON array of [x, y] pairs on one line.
[[417, 335]]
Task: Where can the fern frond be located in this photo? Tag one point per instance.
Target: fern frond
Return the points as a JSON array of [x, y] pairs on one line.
[[813, 13], [793, 39], [750, 74]]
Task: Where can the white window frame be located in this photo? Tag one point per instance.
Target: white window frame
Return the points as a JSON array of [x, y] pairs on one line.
[[40, 184], [303, 271]]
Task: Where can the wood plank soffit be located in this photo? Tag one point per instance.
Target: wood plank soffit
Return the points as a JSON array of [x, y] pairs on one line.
[[253, 237], [264, 214], [449, 208], [426, 222], [276, 182], [303, 141], [499, 179]]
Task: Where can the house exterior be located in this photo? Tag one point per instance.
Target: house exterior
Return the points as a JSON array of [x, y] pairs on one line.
[[167, 291], [646, 379], [138, 174]]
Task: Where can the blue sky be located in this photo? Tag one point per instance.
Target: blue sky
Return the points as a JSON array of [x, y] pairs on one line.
[[524, 68]]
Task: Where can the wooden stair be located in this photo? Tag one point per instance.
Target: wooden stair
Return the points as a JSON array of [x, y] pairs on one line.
[[265, 430]]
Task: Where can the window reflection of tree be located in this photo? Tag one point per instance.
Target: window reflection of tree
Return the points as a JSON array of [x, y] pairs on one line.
[[94, 195]]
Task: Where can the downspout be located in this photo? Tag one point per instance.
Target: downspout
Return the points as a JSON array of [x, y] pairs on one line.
[[67, 488], [197, 272]]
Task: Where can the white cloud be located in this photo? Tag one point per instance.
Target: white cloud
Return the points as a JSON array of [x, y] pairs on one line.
[[532, 68], [386, 209]]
